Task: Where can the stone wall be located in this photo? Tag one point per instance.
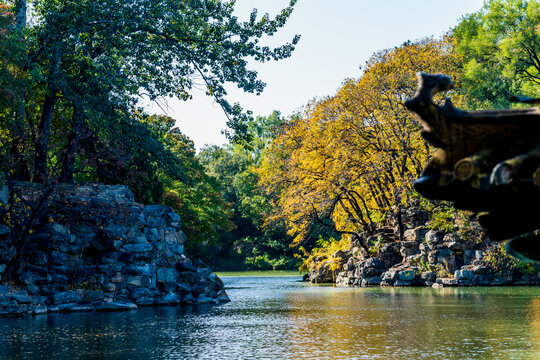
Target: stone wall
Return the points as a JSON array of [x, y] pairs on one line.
[[95, 249], [421, 258]]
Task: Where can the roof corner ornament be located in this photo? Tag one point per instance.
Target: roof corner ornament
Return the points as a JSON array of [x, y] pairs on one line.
[[486, 161]]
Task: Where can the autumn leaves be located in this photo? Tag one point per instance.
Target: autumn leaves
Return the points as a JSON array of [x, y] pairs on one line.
[[350, 159]]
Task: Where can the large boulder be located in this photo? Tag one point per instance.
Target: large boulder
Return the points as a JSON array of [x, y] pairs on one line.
[[389, 255], [433, 238], [417, 234], [322, 274], [155, 211], [409, 248]]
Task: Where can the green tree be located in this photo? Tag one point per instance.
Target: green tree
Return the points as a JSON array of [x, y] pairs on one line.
[[253, 243], [10, 54], [12, 51], [501, 49], [89, 62]]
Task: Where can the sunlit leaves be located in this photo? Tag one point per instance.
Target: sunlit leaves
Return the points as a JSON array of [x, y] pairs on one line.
[[98, 58], [501, 47], [351, 158]]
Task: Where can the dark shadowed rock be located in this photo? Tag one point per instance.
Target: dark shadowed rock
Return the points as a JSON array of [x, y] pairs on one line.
[[168, 299], [402, 283], [463, 274], [4, 232], [96, 249], [137, 248], [92, 295], [169, 275], [188, 299], [371, 281], [155, 211], [57, 258], [203, 299], [222, 297], [138, 280], [65, 297], [28, 278], [142, 296], [185, 266], [146, 269], [202, 287], [374, 263], [428, 276], [115, 306], [21, 297]]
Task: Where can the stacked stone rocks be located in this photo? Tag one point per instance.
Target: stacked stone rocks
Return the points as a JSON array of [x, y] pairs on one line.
[[421, 258], [95, 249]]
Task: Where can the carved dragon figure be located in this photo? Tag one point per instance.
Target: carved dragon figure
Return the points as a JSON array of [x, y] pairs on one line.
[[487, 162]]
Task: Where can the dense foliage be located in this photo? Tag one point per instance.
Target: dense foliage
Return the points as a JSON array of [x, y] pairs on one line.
[[501, 49], [88, 62], [253, 243], [350, 159], [72, 77], [71, 82]]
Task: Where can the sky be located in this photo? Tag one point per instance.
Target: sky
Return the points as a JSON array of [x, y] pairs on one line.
[[337, 38]]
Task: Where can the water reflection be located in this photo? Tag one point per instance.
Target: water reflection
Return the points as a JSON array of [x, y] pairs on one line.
[[451, 323], [534, 318], [281, 318]]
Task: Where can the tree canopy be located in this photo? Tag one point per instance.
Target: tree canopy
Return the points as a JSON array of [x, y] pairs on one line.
[[89, 62], [350, 159], [501, 49], [73, 73], [72, 77], [254, 242]]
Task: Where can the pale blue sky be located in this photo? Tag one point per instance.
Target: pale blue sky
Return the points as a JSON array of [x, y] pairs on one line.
[[338, 36]]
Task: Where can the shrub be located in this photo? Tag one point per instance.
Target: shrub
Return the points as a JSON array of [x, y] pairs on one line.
[[325, 250]]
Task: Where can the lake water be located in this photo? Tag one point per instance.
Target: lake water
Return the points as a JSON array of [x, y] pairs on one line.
[[280, 317]]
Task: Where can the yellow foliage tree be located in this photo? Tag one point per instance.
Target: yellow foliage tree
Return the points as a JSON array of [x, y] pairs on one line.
[[350, 159]]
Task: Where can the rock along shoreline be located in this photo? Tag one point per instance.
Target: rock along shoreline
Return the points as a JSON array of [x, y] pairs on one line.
[[421, 257], [95, 249]]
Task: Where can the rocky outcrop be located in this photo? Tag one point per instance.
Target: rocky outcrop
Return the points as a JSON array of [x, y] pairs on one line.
[[95, 249], [421, 257]]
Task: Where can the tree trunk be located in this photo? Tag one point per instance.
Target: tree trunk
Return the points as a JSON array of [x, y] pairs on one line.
[[42, 142], [44, 129], [19, 165], [21, 229], [68, 163]]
